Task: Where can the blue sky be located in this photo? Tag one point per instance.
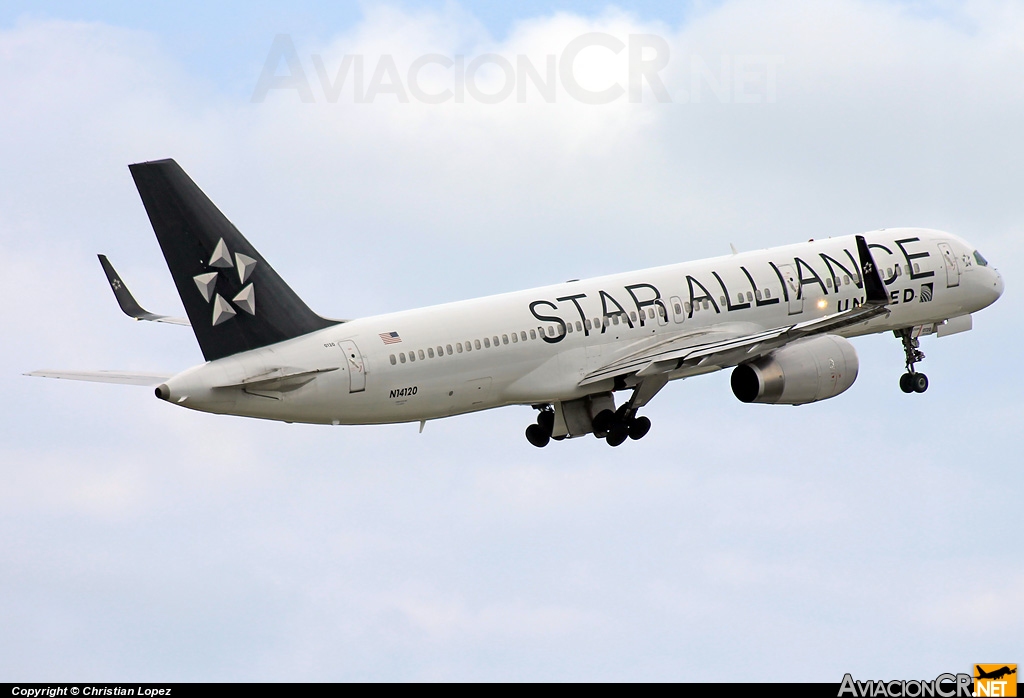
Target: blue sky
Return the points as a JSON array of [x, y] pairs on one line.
[[868, 533]]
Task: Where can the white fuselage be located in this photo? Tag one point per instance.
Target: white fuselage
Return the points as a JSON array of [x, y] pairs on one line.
[[535, 347]]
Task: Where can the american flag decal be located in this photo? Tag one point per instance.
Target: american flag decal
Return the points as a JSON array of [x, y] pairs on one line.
[[390, 337]]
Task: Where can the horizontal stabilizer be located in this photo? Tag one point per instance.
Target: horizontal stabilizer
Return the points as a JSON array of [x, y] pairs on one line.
[[281, 379], [123, 377], [127, 301]]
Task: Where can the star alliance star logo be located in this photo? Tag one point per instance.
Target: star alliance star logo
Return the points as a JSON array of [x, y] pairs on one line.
[[245, 300]]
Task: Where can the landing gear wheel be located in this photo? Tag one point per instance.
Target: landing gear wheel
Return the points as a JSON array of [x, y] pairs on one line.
[[912, 381], [617, 434], [639, 427], [537, 436], [603, 423]]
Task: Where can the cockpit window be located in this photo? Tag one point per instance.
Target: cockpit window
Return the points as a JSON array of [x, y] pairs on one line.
[[982, 262]]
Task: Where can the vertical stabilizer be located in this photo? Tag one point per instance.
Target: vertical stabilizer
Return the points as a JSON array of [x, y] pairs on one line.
[[235, 301]]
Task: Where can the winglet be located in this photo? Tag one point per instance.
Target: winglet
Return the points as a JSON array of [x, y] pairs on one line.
[[874, 289], [127, 301]]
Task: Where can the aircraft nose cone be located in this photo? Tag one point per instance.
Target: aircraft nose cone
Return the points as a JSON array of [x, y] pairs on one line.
[[997, 286]]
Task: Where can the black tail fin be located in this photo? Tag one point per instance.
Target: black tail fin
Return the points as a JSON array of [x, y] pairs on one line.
[[874, 287], [234, 299]]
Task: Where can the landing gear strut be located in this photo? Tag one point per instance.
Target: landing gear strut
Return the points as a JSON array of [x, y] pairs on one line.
[[912, 381]]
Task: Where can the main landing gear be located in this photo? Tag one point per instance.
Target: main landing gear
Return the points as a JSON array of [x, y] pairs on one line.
[[615, 427], [912, 381], [612, 426]]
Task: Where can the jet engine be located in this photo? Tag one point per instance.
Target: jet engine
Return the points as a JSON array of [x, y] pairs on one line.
[[805, 371]]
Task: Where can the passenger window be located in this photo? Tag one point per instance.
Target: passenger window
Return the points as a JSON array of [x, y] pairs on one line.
[[401, 357], [458, 347], [707, 304], [828, 282], [678, 309], [469, 345], [721, 301], [568, 326], [430, 352], [504, 339], [846, 280], [476, 343], [767, 293], [522, 334], [750, 296], [487, 342], [422, 355], [888, 272], [412, 355], [757, 294], [551, 330], [917, 268], [533, 334], [449, 347], [393, 360], [650, 313], [632, 315], [515, 337], [687, 305], [587, 324], [440, 351]]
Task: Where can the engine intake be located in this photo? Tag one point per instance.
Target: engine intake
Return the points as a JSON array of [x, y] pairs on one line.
[[805, 371]]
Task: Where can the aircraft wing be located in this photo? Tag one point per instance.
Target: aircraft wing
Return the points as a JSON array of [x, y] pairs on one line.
[[723, 348], [125, 299], [123, 377]]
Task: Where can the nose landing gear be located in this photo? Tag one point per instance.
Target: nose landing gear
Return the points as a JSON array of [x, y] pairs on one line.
[[912, 381]]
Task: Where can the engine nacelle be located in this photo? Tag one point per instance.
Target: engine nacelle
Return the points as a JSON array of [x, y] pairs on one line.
[[805, 371]]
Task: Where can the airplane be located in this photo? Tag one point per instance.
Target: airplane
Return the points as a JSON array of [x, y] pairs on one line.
[[587, 355], [995, 674]]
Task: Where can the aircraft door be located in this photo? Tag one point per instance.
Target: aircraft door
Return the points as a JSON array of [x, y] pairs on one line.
[[354, 365], [952, 267], [796, 300], [678, 309]]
